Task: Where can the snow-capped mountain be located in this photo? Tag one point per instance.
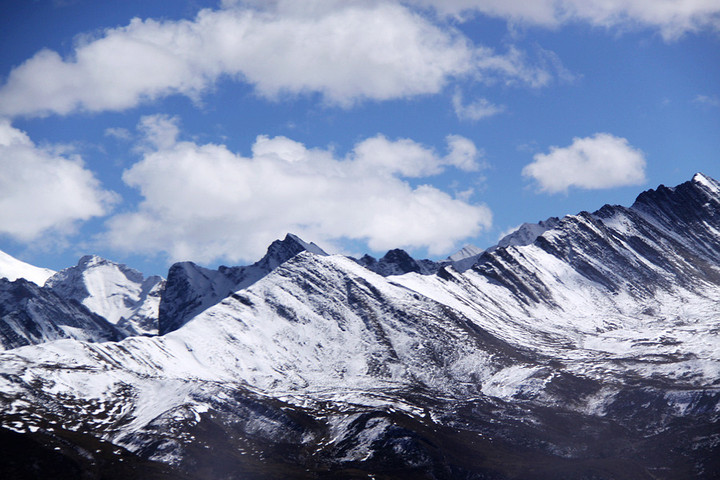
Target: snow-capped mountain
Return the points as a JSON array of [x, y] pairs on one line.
[[464, 258], [398, 262], [466, 252], [631, 284], [30, 314], [192, 289], [12, 269], [582, 347], [116, 292], [527, 233]]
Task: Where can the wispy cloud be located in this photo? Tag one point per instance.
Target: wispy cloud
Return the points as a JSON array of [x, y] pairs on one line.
[[118, 133], [475, 110], [709, 100], [673, 18]]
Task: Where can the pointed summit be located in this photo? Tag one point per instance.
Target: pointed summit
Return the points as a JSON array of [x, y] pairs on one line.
[[398, 262], [465, 258], [118, 293], [192, 289], [694, 199], [466, 252], [710, 184], [280, 251]]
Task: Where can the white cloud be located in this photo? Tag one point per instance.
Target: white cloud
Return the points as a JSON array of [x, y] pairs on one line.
[[600, 161], [672, 17], [463, 154], [42, 190], [407, 158], [346, 51], [204, 202], [475, 110], [158, 131], [118, 133], [709, 100]]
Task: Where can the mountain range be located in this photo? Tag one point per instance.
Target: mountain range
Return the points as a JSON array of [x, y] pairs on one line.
[[582, 347]]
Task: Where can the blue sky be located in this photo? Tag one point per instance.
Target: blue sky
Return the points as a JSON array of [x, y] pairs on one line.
[[155, 131]]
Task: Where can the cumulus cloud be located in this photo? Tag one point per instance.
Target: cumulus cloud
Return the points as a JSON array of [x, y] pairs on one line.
[[207, 203], [345, 51], [475, 110], [672, 18], [42, 190], [600, 161]]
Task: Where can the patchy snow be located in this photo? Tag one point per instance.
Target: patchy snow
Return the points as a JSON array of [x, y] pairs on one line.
[[512, 381]]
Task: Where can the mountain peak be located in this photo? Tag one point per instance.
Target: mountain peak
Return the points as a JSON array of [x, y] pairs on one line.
[[706, 182], [692, 198], [465, 258], [401, 260], [398, 262], [118, 293], [90, 260], [527, 233], [466, 252], [310, 247], [191, 289], [281, 251]]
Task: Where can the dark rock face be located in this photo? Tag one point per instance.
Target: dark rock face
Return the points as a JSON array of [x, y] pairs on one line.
[[398, 262], [188, 291], [30, 315]]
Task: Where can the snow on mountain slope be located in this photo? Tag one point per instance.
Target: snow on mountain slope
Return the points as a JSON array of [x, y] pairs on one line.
[[464, 258], [319, 323], [465, 252], [12, 269], [315, 323], [624, 289], [191, 289], [30, 314], [315, 329], [116, 292], [527, 233]]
